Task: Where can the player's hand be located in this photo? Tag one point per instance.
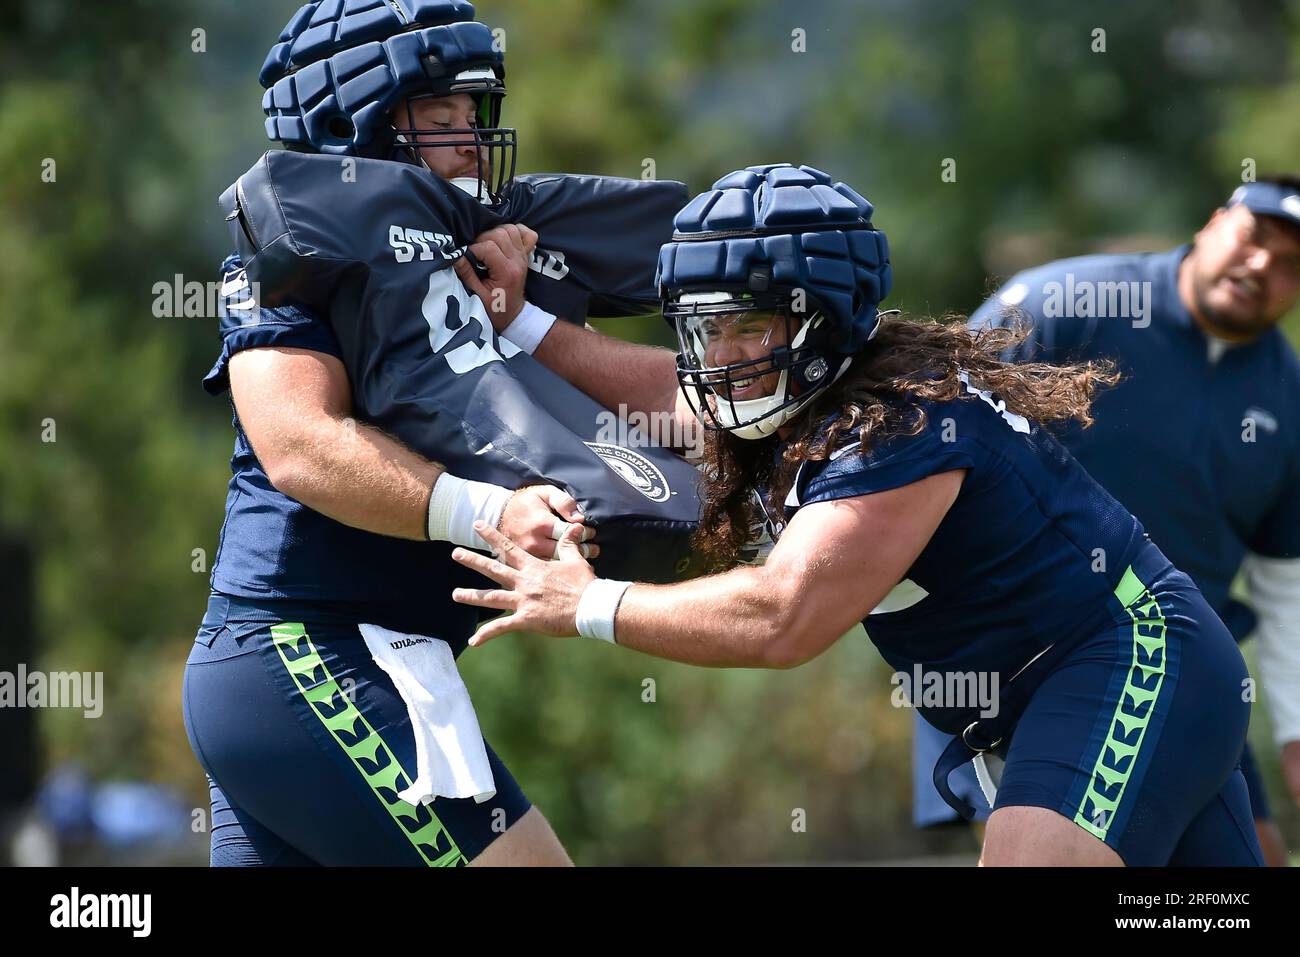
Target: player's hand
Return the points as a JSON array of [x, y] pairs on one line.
[[505, 251], [537, 516], [540, 596], [1291, 768]]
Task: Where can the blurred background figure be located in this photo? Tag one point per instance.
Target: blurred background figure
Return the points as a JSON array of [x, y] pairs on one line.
[[1201, 439], [997, 135]]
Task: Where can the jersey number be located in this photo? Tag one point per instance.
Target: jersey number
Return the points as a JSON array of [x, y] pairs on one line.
[[447, 308]]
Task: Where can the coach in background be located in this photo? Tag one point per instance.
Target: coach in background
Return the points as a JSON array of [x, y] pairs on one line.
[[1201, 438]]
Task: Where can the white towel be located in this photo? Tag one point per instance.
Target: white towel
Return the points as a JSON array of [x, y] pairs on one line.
[[451, 757], [988, 772]]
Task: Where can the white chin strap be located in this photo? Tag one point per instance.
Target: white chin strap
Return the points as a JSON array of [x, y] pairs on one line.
[[761, 414], [766, 417], [472, 185]]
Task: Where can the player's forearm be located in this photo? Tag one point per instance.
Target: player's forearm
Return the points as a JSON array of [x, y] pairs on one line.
[[741, 619], [359, 476], [613, 372]]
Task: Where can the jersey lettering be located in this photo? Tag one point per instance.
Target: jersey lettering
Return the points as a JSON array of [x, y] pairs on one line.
[[447, 308], [1017, 422]]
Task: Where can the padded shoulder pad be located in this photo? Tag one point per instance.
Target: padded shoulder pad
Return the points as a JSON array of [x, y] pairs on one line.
[[607, 228], [301, 220], [369, 246]]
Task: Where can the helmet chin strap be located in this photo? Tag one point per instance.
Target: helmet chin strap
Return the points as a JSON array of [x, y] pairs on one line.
[[400, 140], [764, 425], [762, 415], [472, 185]]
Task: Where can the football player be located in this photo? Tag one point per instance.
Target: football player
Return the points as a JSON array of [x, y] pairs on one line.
[[332, 525], [1199, 440], [911, 482]]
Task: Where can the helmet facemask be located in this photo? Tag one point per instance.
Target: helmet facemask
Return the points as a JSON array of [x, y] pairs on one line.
[[493, 145], [753, 397]]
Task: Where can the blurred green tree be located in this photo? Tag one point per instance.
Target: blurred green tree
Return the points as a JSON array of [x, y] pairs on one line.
[[1057, 146]]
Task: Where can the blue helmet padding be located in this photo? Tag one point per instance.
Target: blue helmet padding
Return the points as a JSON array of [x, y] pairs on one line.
[[322, 28], [362, 85], [808, 241]]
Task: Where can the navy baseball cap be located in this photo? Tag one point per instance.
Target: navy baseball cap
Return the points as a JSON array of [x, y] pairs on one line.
[[1269, 199]]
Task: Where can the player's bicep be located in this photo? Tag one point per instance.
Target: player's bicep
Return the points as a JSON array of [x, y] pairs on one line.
[[282, 395], [844, 556]]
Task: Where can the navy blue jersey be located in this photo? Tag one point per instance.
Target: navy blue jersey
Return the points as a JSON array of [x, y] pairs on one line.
[[1024, 559], [362, 271], [273, 547], [423, 360], [1200, 441]]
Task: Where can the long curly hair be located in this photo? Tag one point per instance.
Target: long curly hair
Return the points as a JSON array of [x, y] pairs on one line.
[[909, 362]]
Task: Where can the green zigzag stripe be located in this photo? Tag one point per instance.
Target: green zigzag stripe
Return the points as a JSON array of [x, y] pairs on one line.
[[341, 717], [1128, 725]]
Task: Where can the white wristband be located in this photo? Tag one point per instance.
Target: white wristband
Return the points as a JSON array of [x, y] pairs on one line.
[[455, 504], [597, 608], [529, 328]]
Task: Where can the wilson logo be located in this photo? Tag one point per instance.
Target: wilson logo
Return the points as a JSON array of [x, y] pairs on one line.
[[634, 469], [408, 643]]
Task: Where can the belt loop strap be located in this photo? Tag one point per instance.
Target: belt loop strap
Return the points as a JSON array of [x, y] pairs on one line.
[[954, 756]]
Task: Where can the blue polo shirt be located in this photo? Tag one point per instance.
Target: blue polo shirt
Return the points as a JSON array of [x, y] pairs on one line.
[[1200, 441], [274, 548]]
